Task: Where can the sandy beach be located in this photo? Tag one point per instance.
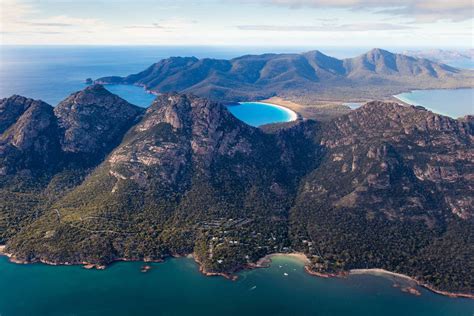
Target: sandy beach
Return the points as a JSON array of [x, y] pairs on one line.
[[321, 110], [265, 261], [284, 103], [380, 272]]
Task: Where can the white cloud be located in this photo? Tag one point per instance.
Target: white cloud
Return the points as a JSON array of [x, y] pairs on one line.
[[21, 19], [328, 27], [420, 10], [33, 22]]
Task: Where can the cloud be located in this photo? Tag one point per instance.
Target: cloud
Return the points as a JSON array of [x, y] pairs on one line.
[[419, 10], [326, 27], [145, 26], [168, 24], [49, 24], [22, 18]]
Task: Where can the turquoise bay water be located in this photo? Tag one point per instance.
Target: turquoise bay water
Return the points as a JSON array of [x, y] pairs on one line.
[[176, 287], [454, 103], [259, 113]]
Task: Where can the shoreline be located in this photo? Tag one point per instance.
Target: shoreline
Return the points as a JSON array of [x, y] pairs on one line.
[[266, 261], [383, 272], [263, 262], [202, 270]]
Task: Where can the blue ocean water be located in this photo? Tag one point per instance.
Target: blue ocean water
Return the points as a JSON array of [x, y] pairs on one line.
[[133, 94], [51, 73], [258, 113], [176, 287], [454, 103]]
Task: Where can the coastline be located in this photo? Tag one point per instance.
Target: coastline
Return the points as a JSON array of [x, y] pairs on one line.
[[293, 106], [383, 272], [263, 262], [228, 276], [266, 261], [317, 110], [464, 102]]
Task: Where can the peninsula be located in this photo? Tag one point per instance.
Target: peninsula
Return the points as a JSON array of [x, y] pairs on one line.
[[97, 179], [317, 82]]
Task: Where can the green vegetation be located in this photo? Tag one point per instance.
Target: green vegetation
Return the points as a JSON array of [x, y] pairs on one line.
[[383, 187]]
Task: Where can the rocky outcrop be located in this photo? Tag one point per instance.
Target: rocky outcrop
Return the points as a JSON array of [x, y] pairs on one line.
[[94, 121], [11, 109], [434, 149], [30, 136]]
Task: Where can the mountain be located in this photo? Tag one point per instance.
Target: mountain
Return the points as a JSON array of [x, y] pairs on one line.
[[386, 186], [459, 58], [29, 134], [304, 78], [395, 179], [93, 121], [44, 151]]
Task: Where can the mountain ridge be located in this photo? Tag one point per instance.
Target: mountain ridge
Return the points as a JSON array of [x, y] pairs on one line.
[[385, 186], [304, 78]]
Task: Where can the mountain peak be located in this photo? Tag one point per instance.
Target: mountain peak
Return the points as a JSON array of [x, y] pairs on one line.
[[380, 51], [11, 109], [94, 120], [95, 88]]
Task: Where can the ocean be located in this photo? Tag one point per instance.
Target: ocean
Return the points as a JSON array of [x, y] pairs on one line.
[[176, 287]]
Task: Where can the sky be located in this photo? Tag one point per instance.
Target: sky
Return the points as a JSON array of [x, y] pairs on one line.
[[356, 23]]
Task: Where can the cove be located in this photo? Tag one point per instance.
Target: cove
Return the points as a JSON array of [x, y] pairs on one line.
[[259, 113], [450, 102]]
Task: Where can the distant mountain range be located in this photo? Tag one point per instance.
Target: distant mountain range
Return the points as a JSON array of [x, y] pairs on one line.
[[97, 179], [303, 78], [459, 58]]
